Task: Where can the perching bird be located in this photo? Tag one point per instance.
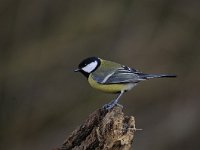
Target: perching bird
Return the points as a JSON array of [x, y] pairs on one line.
[[112, 77]]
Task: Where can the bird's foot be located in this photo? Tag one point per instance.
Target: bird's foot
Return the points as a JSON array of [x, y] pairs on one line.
[[111, 105], [108, 106]]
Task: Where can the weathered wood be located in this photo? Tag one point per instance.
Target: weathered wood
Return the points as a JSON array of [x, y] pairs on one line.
[[103, 130]]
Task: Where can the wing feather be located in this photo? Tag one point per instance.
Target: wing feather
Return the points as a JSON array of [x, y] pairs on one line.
[[122, 74]]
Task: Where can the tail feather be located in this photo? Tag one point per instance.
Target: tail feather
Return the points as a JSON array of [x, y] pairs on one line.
[[144, 76]]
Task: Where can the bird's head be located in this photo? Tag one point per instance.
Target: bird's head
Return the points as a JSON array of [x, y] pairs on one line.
[[88, 65]]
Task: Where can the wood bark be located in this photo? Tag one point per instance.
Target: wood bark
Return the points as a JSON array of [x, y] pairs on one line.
[[103, 130]]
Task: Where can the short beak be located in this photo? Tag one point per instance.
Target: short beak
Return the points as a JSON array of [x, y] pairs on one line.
[[76, 70]]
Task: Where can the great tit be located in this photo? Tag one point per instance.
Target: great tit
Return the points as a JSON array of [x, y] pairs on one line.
[[112, 77]]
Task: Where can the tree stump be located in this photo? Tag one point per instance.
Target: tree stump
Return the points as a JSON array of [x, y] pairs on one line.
[[103, 130]]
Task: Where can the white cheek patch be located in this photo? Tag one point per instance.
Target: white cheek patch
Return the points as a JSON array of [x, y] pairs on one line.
[[90, 67]]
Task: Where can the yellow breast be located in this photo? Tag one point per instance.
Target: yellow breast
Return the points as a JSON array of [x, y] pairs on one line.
[[110, 88]]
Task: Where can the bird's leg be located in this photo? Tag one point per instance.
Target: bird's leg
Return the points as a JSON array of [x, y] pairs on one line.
[[113, 102]]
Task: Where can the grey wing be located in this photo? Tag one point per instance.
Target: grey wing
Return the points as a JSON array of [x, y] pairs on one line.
[[121, 75]]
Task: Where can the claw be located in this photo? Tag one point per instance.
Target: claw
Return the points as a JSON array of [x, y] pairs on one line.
[[110, 105], [119, 105]]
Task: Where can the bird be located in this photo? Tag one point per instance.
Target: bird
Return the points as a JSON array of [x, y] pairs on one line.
[[112, 77]]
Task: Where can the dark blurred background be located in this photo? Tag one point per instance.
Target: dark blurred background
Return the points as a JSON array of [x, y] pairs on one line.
[[41, 41]]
